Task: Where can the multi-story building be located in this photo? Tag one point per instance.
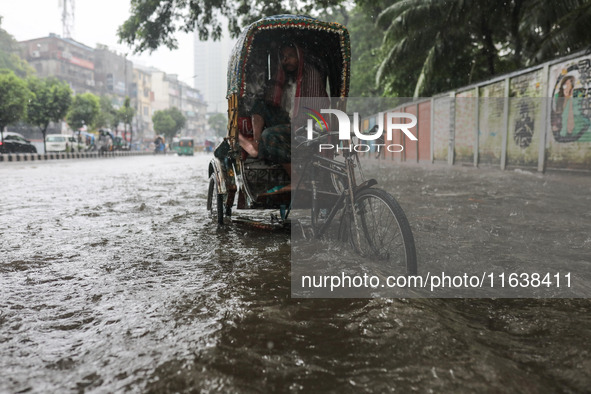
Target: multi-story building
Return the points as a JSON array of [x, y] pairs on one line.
[[143, 99], [210, 64], [160, 89], [106, 73], [194, 108], [170, 92], [99, 71], [62, 58], [113, 75]]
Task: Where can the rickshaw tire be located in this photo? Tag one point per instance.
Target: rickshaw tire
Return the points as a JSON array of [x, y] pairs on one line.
[[400, 218], [219, 201], [220, 209]]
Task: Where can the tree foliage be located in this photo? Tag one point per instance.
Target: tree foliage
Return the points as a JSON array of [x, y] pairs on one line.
[[442, 45], [126, 114], [154, 22], [50, 101], [9, 58], [219, 124], [366, 52], [14, 96], [163, 122], [168, 122], [107, 116], [178, 117], [84, 110], [427, 46]]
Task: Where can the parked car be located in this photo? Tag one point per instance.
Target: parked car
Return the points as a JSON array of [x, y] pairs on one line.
[[75, 144], [56, 143], [16, 143]]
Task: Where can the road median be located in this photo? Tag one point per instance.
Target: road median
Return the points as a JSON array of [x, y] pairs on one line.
[[13, 157]]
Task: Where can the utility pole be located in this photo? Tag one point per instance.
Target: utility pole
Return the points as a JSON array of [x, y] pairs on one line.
[[67, 17]]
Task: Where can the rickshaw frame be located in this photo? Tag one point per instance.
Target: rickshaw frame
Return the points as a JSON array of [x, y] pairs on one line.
[[370, 219], [228, 166]]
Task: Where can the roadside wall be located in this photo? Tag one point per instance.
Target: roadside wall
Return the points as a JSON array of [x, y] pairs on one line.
[[538, 118]]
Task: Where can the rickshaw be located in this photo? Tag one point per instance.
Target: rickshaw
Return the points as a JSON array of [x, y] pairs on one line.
[[327, 187]]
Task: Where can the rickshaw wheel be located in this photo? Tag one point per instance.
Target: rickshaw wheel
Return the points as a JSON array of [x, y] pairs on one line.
[[383, 233], [215, 201]]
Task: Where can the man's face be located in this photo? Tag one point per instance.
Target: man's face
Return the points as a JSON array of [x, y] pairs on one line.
[[289, 59]]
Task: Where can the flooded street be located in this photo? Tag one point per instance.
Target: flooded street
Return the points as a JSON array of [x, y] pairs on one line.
[[113, 278]]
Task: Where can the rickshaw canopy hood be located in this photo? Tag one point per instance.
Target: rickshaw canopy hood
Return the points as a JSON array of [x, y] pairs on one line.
[[328, 40]]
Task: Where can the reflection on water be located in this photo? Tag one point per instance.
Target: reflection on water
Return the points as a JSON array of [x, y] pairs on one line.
[[113, 279]]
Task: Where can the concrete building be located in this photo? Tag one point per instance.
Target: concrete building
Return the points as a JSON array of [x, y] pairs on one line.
[[63, 58], [160, 88], [105, 73], [194, 108], [113, 75], [170, 92], [210, 65], [142, 98]]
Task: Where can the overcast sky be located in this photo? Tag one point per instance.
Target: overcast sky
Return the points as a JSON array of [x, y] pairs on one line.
[[95, 21]]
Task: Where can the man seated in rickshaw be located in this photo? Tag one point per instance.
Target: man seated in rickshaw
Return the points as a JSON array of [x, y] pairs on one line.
[[274, 114]]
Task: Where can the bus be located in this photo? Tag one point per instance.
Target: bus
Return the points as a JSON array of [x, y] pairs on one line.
[[185, 146]]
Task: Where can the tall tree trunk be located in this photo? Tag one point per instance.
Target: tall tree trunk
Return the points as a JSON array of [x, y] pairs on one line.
[[489, 45], [515, 36], [44, 132]]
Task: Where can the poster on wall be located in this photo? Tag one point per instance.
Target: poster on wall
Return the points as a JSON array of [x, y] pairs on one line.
[[570, 85], [525, 92], [491, 125]]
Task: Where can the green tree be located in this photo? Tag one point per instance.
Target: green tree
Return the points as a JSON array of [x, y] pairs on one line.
[[366, 52], [168, 122], [107, 117], [50, 102], [9, 57], [114, 125], [126, 114], [154, 22], [556, 28], [438, 55], [179, 119], [428, 46], [84, 110], [219, 124], [14, 97], [164, 123], [468, 40]]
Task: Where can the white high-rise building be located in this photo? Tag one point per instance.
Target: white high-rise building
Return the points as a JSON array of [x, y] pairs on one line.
[[211, 64]]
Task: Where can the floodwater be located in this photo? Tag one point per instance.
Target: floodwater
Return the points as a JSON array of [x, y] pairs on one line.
[[113, 279]]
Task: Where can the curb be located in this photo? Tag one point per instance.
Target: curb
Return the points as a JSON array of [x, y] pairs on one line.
[[14, 157]]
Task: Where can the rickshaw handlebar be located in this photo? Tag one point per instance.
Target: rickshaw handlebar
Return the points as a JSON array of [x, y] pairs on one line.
[[317, 137], [300, 137]]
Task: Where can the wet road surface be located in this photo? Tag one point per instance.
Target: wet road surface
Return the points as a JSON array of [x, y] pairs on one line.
[[113, 279]]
